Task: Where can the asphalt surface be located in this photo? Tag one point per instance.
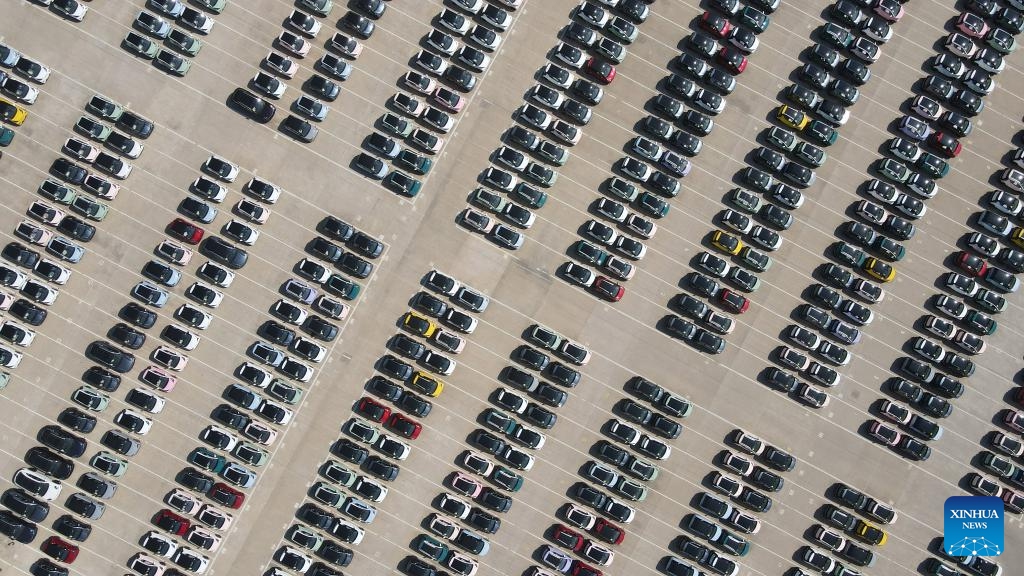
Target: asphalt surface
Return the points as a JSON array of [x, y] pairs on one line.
[[192, 121]]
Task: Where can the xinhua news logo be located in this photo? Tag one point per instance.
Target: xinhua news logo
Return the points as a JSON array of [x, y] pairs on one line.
[[973, 526]]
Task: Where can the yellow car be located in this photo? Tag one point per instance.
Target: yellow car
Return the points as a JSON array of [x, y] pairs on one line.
[[879, 270], [871, 534], [426, 384], [12, 113], [419, 325], [792, 117], [1017, 236], [726, 242]]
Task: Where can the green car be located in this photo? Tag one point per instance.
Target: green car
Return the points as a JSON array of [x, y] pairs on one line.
[[304, 537], [342, 286], [6, 135], [893, 170], [109, 464], [183, 43], [507, 479], [57, 192], [171, 63], [430, 548], [413, 162], [89, 208], [207, 459], [5, 378], [403, 184], [98, 131], [251, 453], [529, 195], [140, 45], [215, 6]]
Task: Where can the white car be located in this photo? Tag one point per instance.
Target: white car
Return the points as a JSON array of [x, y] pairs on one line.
[[193, 316], [191, 560], [156, 540], [133, 421], [203, 538], [37, 483], [170, 358], [207, 296], [174, 253], [220, 168], [9, 358], [214, 517], [16, 333], [12, 278], [146, 564], [263, 190]]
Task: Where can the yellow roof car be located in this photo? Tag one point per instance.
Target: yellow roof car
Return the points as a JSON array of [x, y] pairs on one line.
[[792, 117], [419, 325], [1017, 236], [12, 113], [871, 534], [426, 384], [726, 242], [879, 270]]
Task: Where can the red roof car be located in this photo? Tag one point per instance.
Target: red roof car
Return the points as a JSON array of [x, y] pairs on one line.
[[600, 70], [405, 426], [567, 538], [607, 289], [185, 230], [608, 532], [226, 495], [60, 550], [732, 301], [373, 410], [972, 264], [171, 522]]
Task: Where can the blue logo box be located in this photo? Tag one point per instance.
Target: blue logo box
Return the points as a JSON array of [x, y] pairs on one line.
[[973, 526]]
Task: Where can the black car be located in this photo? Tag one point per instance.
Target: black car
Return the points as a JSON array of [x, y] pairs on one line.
[[224, 252], [49, 462], [110, 356], [138, 315], [62, 441], [77, 420], [24, 505]]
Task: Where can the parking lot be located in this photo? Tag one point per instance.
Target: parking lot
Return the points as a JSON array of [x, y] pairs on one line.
[[421, 233]]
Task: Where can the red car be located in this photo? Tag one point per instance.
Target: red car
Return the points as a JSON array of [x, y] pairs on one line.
[[405, 426], [600, 70], [715, 24], [566, 538], [610, 533], [171, 522], [949, 146], [607, 289], [972, 264], [583, 569], [60, 550], [733, 60], [226, 495], [372, 409], [733, 301], [185, 230]]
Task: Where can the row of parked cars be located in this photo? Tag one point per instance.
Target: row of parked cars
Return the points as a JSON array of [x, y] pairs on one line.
[[560, 105], [704, 75], [188, 516], [19, 91], [840, 529], [52, 463], [616, 469], [456, 50], [512, 431], [978, 282], [323, 534], [295, 41], [828, 84], [744, 490], [149, 30], [448, 542]]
